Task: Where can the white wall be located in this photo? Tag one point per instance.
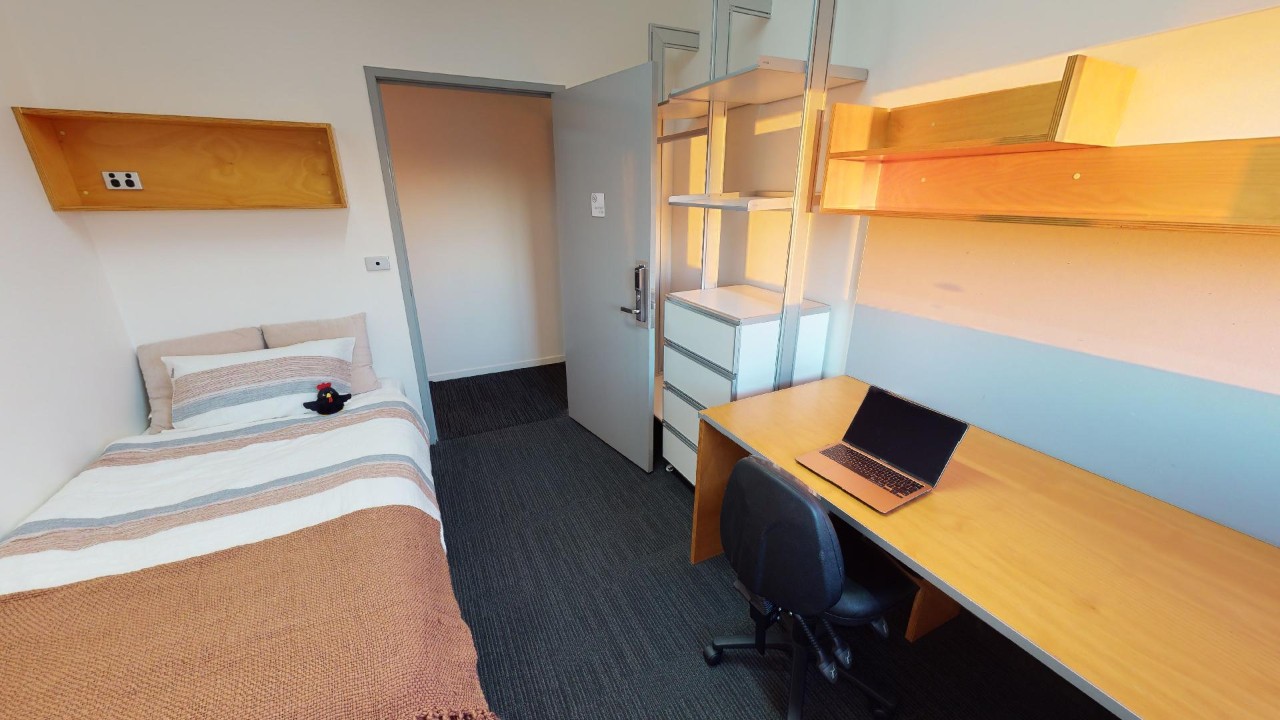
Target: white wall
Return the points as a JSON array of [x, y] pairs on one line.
[[475, 177], [914, 50], [176, 273], [1146, 357], [70, 380]]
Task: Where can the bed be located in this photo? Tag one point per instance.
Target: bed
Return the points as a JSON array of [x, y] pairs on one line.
[[283, 568]]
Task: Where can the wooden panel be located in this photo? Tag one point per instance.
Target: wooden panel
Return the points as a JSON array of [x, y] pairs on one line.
[[1094, 96], [183, 162], [1005, 116], [1227, 186], [930, 610], [1082, 108], [717, 455], [1167, 613]]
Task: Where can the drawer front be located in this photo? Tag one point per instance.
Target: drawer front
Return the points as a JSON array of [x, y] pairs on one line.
[[680, 455], [679, 414], [703, 385], [705, 336]]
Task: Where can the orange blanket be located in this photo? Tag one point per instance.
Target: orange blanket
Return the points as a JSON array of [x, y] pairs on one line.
[[352, 618]]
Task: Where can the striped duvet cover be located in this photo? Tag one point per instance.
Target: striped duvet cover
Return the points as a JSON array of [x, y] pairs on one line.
[[285, 568]]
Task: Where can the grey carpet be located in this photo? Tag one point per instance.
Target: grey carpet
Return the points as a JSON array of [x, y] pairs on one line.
[[478, 404], [571, 566]]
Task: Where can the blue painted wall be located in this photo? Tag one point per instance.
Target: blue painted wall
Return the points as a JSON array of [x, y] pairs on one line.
[[1208, 447]]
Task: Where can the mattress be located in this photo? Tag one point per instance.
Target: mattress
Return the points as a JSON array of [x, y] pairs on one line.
[[287, 568]]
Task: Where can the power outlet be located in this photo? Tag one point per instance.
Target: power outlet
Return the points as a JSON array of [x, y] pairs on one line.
[[377, 262], [121, 180]]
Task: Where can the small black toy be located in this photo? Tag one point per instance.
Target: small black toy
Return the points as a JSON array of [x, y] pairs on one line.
[[327, 401]]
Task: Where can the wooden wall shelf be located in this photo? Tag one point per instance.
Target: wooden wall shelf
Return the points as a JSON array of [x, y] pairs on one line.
[[1216, 186], [1081, 109], [185, 163]]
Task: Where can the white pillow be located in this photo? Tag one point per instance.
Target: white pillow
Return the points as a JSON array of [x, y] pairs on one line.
[[211, 390]]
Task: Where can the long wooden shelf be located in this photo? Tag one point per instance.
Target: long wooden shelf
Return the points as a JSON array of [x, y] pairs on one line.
[[768, 80], [1217, 186], [739, 202], [1081, 109], [184, 163]]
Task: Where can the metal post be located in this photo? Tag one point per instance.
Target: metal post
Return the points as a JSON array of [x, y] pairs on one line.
[[662, 38], [721, 11], [814, 103]]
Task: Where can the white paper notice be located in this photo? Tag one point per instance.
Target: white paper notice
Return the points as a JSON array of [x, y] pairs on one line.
[[597, 204]]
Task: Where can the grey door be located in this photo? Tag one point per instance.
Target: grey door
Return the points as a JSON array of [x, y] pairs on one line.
[[604, 143]]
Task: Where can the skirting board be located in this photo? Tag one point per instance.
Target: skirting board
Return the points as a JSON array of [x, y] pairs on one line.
[[486, 369]]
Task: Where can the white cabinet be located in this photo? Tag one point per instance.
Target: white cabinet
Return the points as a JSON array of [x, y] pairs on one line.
[[721, 345]]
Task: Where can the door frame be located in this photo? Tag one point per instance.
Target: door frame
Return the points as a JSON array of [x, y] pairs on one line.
[[373, 77]]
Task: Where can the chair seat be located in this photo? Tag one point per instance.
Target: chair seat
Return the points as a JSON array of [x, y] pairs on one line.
[[880, 586]]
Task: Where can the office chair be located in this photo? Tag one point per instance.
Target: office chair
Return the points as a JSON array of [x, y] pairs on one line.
[[791, 569]]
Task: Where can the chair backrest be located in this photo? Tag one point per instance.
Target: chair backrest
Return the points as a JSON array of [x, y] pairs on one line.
[[779, 539]]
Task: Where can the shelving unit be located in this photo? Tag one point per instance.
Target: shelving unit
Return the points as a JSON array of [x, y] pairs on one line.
[[769, 79], [739, 202], [792, 335], [184, 163]]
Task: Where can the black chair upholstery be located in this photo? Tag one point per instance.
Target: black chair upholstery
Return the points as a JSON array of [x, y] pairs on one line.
[[798, 572]]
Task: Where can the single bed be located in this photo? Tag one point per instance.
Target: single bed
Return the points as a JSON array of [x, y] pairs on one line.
[[290, 568]]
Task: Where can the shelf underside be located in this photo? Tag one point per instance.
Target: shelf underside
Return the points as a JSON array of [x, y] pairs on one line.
[[1214, 186], [737, 202], [184, 163], [768, 80]]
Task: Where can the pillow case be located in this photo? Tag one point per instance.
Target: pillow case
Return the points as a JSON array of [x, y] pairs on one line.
[[156, 376], [363, 379], [211, 390]]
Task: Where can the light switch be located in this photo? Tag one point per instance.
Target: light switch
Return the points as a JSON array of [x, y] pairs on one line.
[[377, 262], [597, 204]]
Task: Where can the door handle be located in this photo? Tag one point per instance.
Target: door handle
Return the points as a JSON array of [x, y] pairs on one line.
[[641, 310]]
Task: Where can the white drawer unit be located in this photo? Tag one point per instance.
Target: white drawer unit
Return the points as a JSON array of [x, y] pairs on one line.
[[681, 453], [696, 378], [721, 345], [681, 413]]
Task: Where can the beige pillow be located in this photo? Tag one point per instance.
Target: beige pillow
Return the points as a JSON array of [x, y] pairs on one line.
[[363, 379], [156, 376]]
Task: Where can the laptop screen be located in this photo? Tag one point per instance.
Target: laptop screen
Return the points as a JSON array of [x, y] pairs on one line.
[[912, 438]]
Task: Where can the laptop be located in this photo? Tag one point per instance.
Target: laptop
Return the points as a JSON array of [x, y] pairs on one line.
[[893, 452]]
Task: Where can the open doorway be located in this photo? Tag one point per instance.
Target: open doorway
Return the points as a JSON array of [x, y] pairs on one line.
[[469, 166]]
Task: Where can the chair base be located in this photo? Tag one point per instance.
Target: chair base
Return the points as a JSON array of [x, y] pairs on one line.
[[883, 706]]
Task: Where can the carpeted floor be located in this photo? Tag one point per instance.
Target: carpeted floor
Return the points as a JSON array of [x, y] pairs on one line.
[[571, 566], [479, 404]]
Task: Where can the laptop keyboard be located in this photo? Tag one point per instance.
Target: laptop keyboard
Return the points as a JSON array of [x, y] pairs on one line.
[[887, 478]]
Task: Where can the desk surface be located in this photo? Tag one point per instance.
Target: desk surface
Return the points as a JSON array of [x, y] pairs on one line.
[[1151, 609]]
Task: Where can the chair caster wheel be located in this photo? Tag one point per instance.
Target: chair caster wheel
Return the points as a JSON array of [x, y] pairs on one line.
[[712, 655], [882, 713]]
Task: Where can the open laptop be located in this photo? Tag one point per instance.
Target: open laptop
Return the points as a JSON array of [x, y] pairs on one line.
[[893, 452]]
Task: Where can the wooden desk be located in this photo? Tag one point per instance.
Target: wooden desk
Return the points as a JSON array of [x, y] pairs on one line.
[[1153, 611]]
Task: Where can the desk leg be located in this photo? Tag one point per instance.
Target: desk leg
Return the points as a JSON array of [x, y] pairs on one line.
[[931, 609], [717, 455]]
